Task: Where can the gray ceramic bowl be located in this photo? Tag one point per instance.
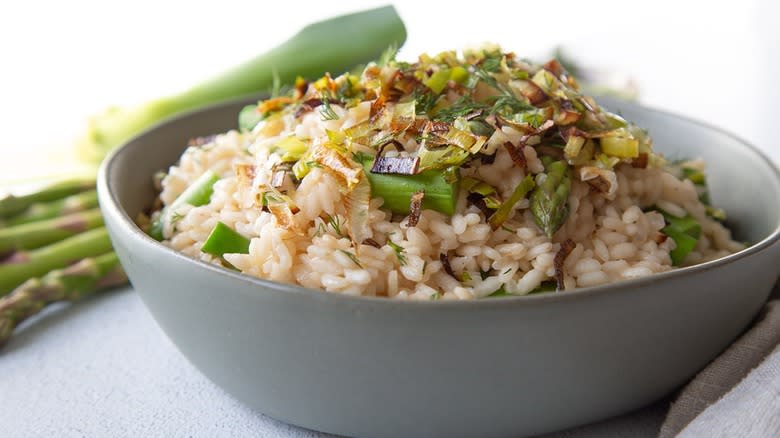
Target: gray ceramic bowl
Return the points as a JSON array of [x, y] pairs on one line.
[[498, 367]]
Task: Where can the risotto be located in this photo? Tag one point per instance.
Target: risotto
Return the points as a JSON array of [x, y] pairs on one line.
[[454, 177]]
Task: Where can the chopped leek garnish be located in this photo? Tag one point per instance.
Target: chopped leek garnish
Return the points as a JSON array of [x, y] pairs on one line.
[[293, 148], [438, 80], [623, 147]]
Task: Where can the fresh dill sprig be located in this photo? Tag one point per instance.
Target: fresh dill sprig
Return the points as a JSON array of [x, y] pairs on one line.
[[461, 108], [352, 257], [176, 217], [321, 230], [335, 223], [326, 111], [509, 104], [424, 100], [400, 252], [491, 63]]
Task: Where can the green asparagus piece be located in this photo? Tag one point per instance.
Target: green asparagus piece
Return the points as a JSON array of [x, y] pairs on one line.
[[549, 201], [248, 118], [12, 205], [23, 265], [333, 45], [48, 210], [223, 240], [397, 190], [37, 234], [88, 276], [197, 194], [546, 286], [685, 231], [502, 214]]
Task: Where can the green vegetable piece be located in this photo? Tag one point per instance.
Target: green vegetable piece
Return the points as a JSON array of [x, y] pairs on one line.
[[480, 128], [502, 214], [90, 275], [40, 233], [58, 255], [223, 240], [482, 188], [334, 45], [248, 118], [12, 205], [500, 292], [623, 147], [197, 194], [685, 231], [546, 286], [459, 74], [397, 190], [293, 148], [442, 158], [549, 201], [698, 178], [48, 210], [438, 80], [695, 175]]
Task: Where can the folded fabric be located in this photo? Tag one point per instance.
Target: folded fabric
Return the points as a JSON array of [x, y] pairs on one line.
[[722, 377]]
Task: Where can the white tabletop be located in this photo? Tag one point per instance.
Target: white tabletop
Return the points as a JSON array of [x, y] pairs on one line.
[[104, 368]]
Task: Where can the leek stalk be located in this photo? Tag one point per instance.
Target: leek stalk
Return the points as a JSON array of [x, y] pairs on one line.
[[334, 45]]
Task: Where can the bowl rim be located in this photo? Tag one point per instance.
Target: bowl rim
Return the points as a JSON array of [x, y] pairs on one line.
[[126, 225]]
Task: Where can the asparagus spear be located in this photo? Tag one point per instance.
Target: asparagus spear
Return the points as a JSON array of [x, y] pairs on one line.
[[47, 210], [549, 201], [333, 45], [440, 194], [12, 205], [22, 265], [36, 234], [223, 240], [502, 214], [197, 194], [88, 276]]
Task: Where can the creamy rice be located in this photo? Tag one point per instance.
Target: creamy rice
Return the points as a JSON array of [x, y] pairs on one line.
[[616, 240]]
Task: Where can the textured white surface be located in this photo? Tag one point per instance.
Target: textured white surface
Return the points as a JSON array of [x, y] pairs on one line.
[[104, 368], [749, 410]]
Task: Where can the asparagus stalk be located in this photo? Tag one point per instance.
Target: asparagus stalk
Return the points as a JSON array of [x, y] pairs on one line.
[[396, 190], [223, 240], [197, 194], [685, 231], [549, 201], [333, 45], [12, 205], [88, 276], [48, 210], [23, 265], [503, 212], [37, 234]]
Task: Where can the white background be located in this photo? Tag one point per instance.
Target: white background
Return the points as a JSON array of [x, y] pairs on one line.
[[61, 61]]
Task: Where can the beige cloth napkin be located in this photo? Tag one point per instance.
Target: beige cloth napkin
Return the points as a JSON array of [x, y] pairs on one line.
[[726, 373]]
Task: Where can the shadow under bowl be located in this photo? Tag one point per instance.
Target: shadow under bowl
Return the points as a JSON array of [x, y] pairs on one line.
[[511, 366]]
